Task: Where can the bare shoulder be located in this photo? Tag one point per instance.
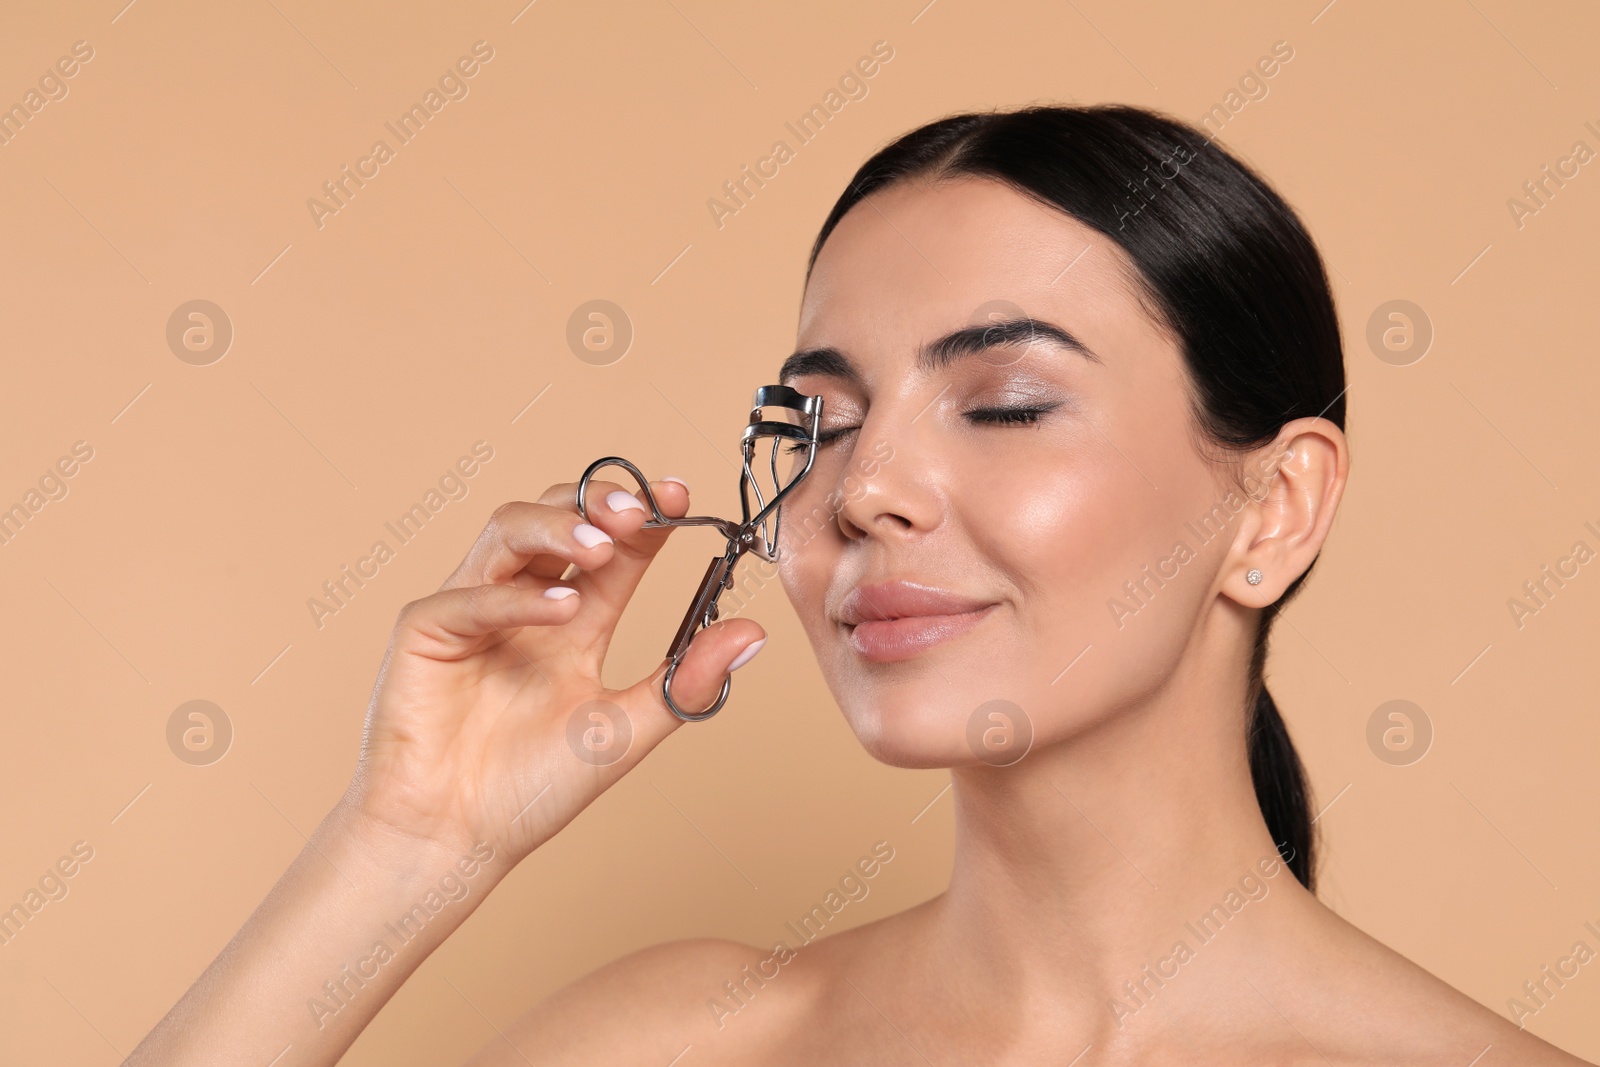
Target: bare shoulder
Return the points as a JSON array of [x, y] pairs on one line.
[[1397, 1011], [653, 1005], [1334, 996]]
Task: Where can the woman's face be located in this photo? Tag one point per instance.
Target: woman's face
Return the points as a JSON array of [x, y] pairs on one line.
[[1002, 466]]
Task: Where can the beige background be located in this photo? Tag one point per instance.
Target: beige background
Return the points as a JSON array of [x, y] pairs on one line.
[[370, 353]]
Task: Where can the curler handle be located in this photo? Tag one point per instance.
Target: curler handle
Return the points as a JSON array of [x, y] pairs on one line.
[[701, 612]]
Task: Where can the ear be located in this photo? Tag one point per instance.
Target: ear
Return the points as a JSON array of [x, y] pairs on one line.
[[1293, 487]]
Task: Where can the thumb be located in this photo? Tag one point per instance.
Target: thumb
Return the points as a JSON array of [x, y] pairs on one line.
[[713, 655]]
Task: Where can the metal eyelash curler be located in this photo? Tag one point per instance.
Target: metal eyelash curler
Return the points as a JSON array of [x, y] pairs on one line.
[[751, 535]]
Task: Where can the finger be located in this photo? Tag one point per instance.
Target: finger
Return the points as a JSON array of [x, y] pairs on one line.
[[608, 587], [455, 622], [697, 682], [537, 538]]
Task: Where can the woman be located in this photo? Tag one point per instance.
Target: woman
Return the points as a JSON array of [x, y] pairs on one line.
[[1083, 373]]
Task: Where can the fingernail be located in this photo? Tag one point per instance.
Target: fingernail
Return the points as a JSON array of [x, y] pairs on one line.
[[560, 592], [589, 536], [746, 656], [675, 478], [621, 501]]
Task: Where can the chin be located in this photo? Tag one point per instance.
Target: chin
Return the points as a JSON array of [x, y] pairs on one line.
[[910, 732]]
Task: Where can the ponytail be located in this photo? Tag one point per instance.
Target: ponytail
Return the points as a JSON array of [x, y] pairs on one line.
[[1280, 783]]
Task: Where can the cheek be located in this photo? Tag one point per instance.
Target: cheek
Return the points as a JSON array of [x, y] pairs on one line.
[[809, 541], [805, 562], [1066, 527], [1080, 540], [1065, 538]]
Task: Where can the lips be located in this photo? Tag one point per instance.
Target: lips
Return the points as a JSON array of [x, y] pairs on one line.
[[896, 620]]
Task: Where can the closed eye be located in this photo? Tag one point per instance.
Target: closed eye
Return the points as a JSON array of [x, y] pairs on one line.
[[1010, 416], [983, 416], [823, 438]]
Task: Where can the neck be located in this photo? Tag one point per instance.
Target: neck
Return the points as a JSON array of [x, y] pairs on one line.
[[1094, 857]]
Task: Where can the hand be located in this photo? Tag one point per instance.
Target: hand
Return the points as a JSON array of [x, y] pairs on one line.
[[468, 734]]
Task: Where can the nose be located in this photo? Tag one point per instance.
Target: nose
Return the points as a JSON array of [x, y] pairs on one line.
[[890, 489]]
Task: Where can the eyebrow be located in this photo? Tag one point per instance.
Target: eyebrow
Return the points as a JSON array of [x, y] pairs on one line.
[[953, 346]]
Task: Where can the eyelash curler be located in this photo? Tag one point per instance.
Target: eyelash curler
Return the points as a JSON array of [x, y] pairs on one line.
[[758, 533]]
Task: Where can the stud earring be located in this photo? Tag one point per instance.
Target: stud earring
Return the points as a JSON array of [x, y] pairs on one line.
[[1253, 576]]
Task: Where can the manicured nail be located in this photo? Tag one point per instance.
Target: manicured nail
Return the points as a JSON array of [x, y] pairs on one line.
[[621, 501], [746, 656], [675, 478], [589, 536], [560, 592]]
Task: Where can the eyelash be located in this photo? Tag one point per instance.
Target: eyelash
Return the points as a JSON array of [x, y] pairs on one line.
[[1011, 416], [989, 416]]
